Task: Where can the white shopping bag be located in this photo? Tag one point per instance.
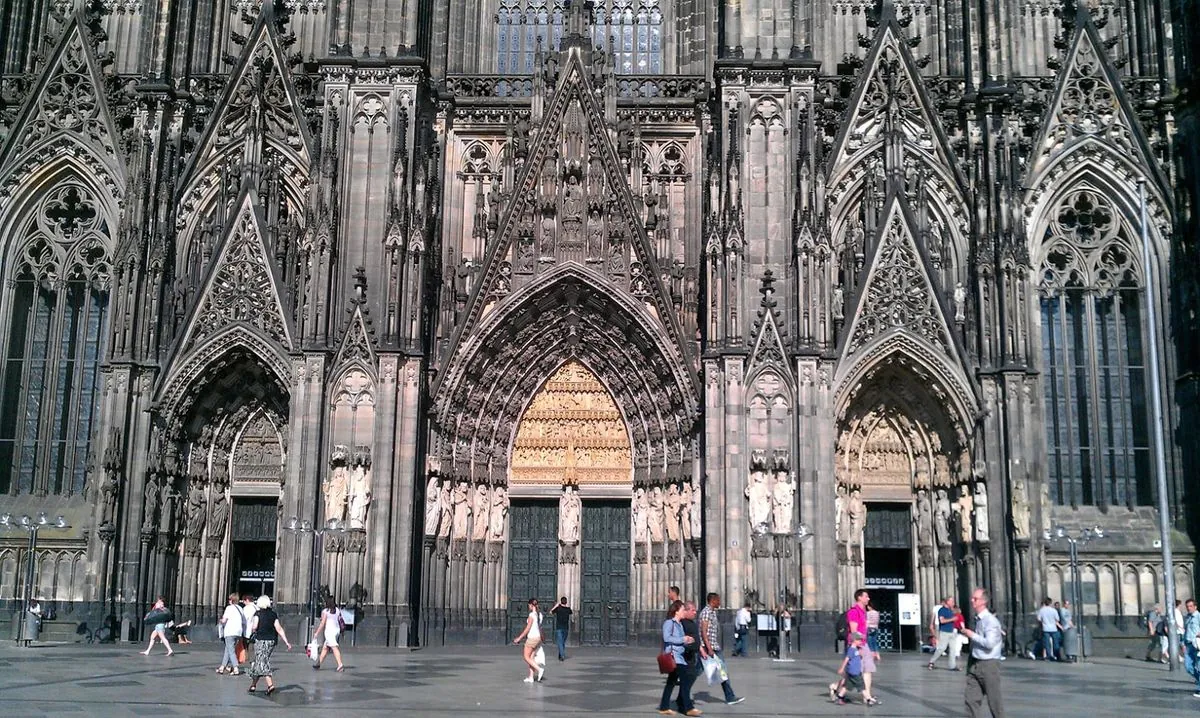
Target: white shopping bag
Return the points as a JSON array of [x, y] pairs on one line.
[[311, 651], [539, 657], [715, 671]]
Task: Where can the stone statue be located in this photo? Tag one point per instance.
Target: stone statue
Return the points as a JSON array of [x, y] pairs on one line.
[[572, 199], [641, 515], [360, 492], [941, 518], [856, 515], [960, 302], [685, 512], [219, 515], [195, 511], [462, 509], [982, 531], [841, 523], [481, 513], [336, 491], [447, 504], [673, 506], [151, 510], [655, 523], [963, 507], [694, 511], [1047, 523], [759, 495], [569, 507], [839, 302], [1020, 511], [924, 519], [499, 514], [783, 498], [433, 506]]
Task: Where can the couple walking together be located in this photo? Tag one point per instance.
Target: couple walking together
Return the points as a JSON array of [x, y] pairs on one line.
[[686, 645]]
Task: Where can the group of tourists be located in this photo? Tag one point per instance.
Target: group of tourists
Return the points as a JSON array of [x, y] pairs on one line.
[[247, 622], [692, 645], [1186, 623], [986, 642]]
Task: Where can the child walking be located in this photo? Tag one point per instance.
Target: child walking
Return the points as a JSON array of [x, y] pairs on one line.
[[851, 671]]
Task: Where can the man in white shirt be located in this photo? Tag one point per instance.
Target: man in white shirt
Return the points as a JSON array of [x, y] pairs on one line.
[[741, 629], [249, 608], [1050, 641], [983, 667], [233, 625]]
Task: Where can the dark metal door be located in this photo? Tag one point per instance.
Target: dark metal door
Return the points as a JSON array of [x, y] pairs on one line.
[[532, 560], [604, 569]]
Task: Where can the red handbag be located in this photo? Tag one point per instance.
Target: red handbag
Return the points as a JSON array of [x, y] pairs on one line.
[[666, 663]]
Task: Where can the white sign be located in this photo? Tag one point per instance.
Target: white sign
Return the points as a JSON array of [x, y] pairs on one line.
[[908, 605]]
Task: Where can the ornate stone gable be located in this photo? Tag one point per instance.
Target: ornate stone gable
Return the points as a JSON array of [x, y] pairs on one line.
[[242, 287], [1091, 116], [66, 108], [898, 294], [570, 204], [891, 97], [259, 122], [357, 346], [768, 343]]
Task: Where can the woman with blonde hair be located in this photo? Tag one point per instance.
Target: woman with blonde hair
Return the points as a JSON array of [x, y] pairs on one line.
[[330, 628], [267, 631], [532, 635]]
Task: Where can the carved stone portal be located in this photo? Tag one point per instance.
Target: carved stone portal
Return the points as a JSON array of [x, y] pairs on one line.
[[572, 433]]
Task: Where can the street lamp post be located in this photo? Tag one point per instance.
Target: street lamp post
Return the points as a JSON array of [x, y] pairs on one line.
[[1073, 541], [298, 528], [801, 533], [32, 526]]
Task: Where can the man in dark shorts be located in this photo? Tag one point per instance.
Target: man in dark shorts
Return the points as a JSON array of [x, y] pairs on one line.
[[852, 670]]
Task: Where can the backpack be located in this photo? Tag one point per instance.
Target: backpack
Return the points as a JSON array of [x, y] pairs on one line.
[[842, 626]]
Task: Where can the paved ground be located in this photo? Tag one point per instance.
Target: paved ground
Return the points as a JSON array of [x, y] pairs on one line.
[[76, 680]]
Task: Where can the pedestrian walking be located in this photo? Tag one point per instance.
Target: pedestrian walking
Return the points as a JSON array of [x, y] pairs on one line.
[[983, 664], [855, 621], [851, 670], [267, 632], [1178, 625], [675, 640], [1051, 638], [562, 625], [230, 627], [160, 628], [947, 639], [329, 629], [741, 630], [873, 629], [1157, 630], [1070, 637], [710, 636], [1191, 643], [532, 635]]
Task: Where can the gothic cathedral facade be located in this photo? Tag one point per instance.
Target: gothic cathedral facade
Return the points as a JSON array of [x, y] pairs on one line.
[[434, 306]]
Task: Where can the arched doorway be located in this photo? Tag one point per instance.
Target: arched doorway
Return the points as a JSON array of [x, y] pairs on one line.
[[904, 493], [570, 481]]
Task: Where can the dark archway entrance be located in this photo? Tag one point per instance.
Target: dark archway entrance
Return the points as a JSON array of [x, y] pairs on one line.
[[888, 568]]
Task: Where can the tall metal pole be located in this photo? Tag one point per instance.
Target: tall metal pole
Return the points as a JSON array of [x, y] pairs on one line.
[[1076, 593], [28, 593], [1160, 451]]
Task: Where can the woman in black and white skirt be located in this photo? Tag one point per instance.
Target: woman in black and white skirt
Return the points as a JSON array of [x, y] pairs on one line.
[[267, 631]]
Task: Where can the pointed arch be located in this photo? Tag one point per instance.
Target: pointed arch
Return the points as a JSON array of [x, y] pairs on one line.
[[181, 376]]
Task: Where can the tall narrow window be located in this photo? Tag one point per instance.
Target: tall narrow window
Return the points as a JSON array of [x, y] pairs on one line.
[[631, 30], [56, 320], [1093, 378]]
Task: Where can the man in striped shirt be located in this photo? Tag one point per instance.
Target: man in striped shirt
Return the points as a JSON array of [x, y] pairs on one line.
[[983, 667]]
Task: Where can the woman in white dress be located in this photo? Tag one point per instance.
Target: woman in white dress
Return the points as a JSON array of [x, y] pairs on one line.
[[532, 635], [330, 628]]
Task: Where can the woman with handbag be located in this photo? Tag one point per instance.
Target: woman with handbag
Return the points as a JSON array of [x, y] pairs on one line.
[[160, 627], [671, 662], [532, 635], [267, 632], [329, 628]]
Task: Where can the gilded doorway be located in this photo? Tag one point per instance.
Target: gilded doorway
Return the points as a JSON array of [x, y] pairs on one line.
[[572, 445]]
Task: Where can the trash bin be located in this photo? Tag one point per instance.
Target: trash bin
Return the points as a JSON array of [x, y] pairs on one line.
[[1070, 644]]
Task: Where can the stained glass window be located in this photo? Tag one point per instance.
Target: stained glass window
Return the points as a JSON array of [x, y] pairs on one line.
[[50, 378], [1094, 387], [629, 29]]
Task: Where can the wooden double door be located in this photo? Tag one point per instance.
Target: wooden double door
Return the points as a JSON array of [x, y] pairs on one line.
[[604, 566]]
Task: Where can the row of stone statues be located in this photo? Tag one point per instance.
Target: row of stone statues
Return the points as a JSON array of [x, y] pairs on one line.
[[670, 513], [348, 490], [460, 511], [771, 493]]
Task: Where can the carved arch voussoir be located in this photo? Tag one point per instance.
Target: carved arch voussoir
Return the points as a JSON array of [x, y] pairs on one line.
[[187, 369], [961, 403]]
